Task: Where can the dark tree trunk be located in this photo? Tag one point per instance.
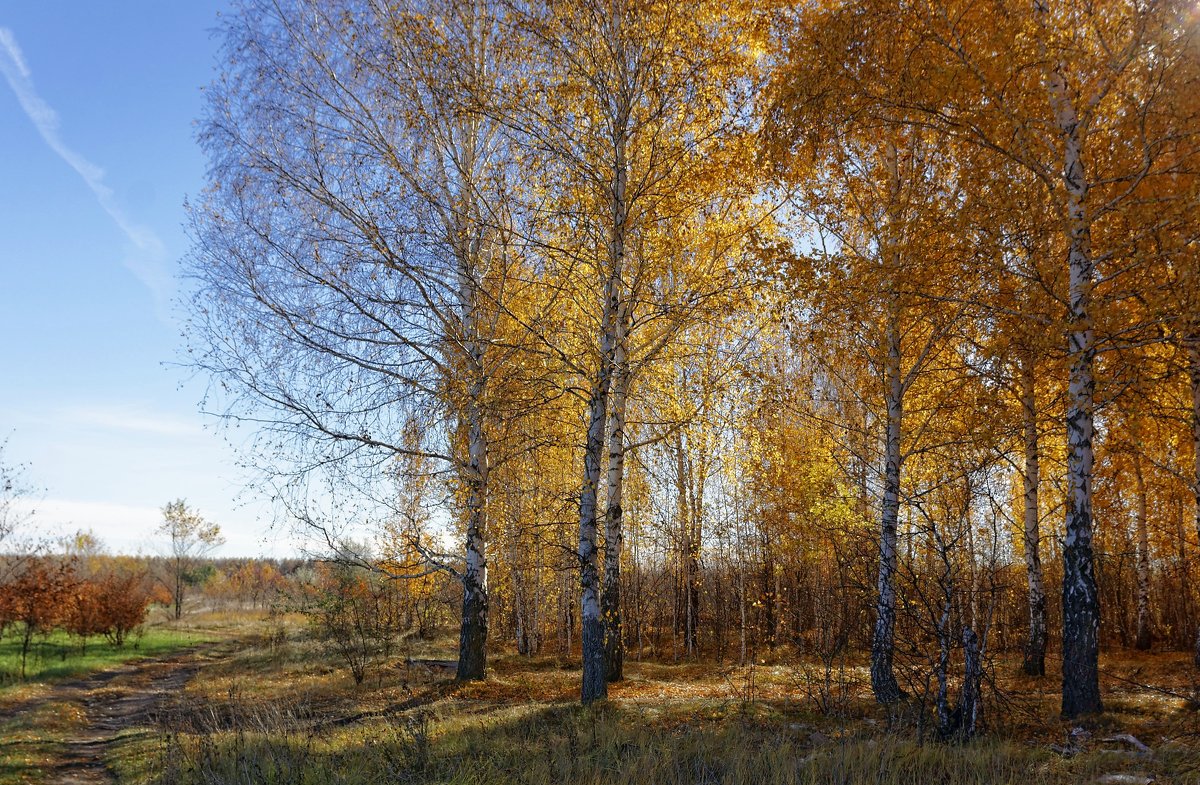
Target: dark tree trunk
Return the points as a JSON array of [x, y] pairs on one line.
[[178, 591], [692, 621], [472, 641], [969, 704], [595, 681]]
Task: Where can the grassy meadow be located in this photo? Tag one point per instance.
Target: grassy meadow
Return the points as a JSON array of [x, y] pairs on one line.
[[280, 708], [59, 656], [39, 712], [263, 701]]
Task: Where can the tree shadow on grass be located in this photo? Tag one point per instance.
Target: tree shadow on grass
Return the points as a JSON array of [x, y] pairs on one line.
[[538, 743]]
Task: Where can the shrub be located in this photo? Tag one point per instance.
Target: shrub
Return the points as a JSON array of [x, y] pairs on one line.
[[39, 598], [352, 612], [112, 605]]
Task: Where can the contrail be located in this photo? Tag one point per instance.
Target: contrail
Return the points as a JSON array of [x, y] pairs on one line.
[[148, 263]]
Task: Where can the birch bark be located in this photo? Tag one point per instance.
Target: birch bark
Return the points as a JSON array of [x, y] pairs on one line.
[[883, 639], [472, 649], [595, 679], [1193, 349], [595, 682], [1081, 601], [1035, 647], [1142, 641], [468, 231], [610, 599], [883, 679]]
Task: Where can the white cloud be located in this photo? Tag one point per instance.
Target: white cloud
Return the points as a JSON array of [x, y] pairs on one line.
[[128, 418], [148, 263], [131, 529], [122, 528], [9, 42]]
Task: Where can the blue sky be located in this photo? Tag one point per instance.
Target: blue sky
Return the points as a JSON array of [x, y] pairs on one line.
[[97, 110]]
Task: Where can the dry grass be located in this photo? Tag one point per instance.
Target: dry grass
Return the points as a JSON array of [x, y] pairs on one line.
[[285, 712], [30, 739], [611, 744]]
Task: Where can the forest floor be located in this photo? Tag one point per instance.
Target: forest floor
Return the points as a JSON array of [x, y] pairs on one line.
[[275, 706]]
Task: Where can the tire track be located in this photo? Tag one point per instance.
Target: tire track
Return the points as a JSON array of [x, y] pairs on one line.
[[115, 701]]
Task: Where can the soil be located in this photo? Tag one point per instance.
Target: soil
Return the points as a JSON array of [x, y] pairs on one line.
[[114, 701]]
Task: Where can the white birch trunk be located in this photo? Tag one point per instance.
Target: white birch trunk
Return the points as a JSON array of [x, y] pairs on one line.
[[595, 682], [1142, 641], [472, 649], [610, 599], [1035, 647], [1081, 601], [883, 679], [467, 230], [1193, 351]]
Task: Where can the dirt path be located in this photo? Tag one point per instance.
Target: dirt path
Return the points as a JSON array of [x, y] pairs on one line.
[[117, 700]]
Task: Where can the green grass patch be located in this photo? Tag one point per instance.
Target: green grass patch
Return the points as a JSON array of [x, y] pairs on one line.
[[59, 657]]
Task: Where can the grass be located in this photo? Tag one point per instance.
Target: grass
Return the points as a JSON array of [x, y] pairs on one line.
[[539, 745], [289, 713], [34, 719], [30, 740], [280, 708], [59, 657]]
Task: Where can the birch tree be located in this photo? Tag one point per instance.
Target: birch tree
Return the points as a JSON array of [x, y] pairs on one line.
[[190, 538], [1100, 70], [629, 103], [353, 252], [1048, 87], [883, 199]]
